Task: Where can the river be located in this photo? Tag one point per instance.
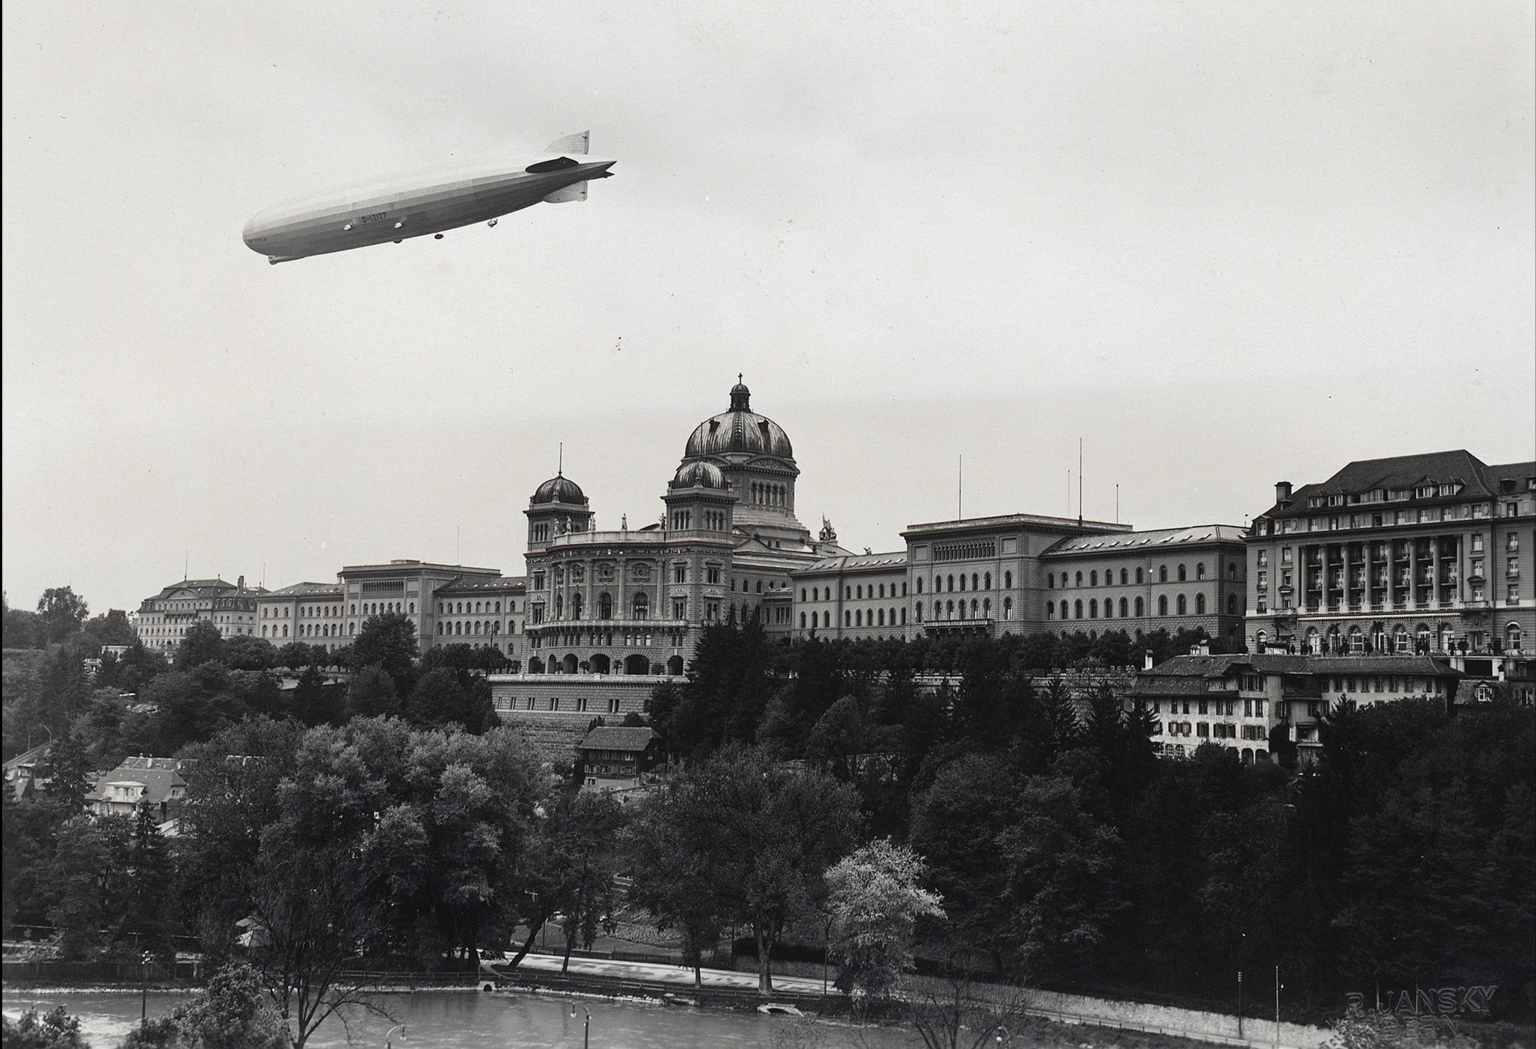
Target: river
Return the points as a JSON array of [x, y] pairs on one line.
[[503, 1020]]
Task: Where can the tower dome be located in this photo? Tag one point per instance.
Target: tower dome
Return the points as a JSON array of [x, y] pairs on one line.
[[559, 489], [696, 473], [739, 431]]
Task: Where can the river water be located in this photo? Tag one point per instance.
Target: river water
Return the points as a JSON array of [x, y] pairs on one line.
[[503, 1020]]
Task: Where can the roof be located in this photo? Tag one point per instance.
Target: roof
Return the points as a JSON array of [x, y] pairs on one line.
[[1160, 537], [857, 562], [474, 585], [619, 737], [29, 757], [306, 590], [202, 588], [157, 783], [142, 762], [1014, 521], [1185, 673], [1478, 480]]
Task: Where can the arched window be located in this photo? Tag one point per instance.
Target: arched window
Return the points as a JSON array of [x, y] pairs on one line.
[[641, 606], [1124, 576], [880, 617], [951, 584], [1093, 578], [1199, 604], [1138, 608], [1512, 638], [605, 605], [1162, 605], [1138, 577], [919, 611], [1162, 573], [973, 608], [986, 581], [1200, 570], [1093, 608], [1050, 610], [575, 606], [949, 610], [1181, 605], [903, 616], [847, 618], [1231, 604], [858, 617], [973, 583], [1050, 581], [962, 580], [1077, 609], [802, 620], [1078, 579], [1007, 608], [1232, 570], [1007, 580], [1182, 575], [919, 584]]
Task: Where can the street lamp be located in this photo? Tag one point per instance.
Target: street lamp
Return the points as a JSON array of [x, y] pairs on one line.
[[586, 1024], [391, 1034]]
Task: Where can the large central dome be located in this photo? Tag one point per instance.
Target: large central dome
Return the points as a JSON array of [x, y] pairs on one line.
[[740, 430]]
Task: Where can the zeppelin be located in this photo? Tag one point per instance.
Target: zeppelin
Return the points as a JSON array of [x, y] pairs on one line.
[[340, 220]]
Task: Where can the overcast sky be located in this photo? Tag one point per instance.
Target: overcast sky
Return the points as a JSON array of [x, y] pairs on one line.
[[1224, 244]]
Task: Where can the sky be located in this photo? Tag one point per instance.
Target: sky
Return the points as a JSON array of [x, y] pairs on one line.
[[1219, 245]]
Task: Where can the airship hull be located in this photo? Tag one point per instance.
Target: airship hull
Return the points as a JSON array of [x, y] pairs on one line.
[[359, 217]]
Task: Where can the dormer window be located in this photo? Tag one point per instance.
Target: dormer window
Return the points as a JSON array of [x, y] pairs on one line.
[[1335, 500], [1424, 491]]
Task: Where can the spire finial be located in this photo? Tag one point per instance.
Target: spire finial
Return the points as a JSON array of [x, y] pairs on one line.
[[738, 376], [560, 463]]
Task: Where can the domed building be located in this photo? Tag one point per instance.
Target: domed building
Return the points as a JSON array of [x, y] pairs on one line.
[[608, 612]]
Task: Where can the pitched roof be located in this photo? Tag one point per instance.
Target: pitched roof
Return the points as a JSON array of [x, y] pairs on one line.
[[619, 737], [857, 562], [1185, 673], [1157, 537], [1478, 480], [157, 783], [306, 590], [474, 585]]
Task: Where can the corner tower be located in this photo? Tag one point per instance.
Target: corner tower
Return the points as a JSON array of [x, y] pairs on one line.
[[557, 507]]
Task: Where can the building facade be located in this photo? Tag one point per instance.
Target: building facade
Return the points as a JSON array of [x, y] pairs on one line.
[[610, 614], [1418, 554], [163, 620], [1252, 703]]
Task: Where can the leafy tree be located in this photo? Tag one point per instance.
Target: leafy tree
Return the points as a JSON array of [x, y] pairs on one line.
[[22, 629], [955, 826], [84, 884], [372, 694], [110, 629], [147, 875], [444, 697], [201, 644], [132, 670], [231, 1012], [874, 903], [296, 654], [670, 875], [1059, 863], [763, 835], [34, 1030], [244, 652], [388, 641], [60, 612]]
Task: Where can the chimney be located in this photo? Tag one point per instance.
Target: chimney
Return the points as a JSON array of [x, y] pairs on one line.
[[1283, 493], [1146, 659], [240, 585]]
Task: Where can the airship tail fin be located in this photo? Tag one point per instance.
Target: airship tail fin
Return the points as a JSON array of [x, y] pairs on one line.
[[568, 194], [571, 144]]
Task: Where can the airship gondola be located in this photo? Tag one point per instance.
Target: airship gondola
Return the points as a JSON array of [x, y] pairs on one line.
[[355, 217]]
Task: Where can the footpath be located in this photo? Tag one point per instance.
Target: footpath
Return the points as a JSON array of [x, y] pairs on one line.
[[725, 987]]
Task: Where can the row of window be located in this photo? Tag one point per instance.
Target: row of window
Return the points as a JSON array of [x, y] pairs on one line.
[[463, 608], [982, 581], [479, 626], [1252, 708], [958, 610], [1181, 572], [1180, 605]]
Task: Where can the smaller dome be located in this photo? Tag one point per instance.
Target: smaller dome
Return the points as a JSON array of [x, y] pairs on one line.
[[559, 489], [699, 474]]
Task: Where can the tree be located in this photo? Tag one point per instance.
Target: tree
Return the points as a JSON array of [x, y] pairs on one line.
[[763, 834], [372, 694], [202, 643], [1059, 864], [22, 629], [444, 697], [296, 654], [388, 641], [244, 652], [231, 1012], [146, 871], [110, 629], [874, 903], [34, 1030], [60, 612], [670, 878], [84, 884]]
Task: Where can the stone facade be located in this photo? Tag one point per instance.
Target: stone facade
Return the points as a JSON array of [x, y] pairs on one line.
[[163, 620]]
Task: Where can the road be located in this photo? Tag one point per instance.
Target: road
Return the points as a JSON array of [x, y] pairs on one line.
[[714, 979]]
